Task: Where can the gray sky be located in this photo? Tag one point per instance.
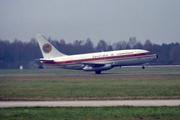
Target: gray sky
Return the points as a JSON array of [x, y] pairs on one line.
[[110, 20]]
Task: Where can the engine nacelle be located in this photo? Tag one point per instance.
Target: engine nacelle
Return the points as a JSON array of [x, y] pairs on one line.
[[102, 68]]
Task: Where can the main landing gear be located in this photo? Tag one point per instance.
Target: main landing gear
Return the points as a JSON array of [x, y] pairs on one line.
[[143, 67], [98, 72]]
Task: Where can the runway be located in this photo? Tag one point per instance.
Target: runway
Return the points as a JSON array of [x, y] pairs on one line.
[[98, 103], [91, 74], [126, 70]]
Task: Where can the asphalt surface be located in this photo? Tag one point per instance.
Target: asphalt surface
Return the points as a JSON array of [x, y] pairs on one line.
[[106, 73], [88, 73], [98, 103]]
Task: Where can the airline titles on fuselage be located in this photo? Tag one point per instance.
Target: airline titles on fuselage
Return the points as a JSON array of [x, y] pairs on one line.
[[106, 55]]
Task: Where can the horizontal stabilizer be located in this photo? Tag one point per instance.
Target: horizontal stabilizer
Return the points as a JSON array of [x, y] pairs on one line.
[[44, 60]]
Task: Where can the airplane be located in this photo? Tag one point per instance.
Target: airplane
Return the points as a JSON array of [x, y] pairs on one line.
[[97, 62]]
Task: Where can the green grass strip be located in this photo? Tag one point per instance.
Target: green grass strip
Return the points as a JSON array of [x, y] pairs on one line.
[[88, 113], [90, 87]]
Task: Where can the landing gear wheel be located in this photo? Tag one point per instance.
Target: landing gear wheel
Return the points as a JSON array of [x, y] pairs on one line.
[[98, 72], [143, 67]]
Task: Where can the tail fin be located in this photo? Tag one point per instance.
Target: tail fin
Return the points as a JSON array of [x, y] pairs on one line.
[[47, 49]]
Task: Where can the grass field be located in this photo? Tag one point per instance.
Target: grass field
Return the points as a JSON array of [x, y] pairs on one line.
[[68, 85], [88, 113], [89, 87]]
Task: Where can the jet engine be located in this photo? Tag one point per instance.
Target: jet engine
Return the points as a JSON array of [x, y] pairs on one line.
[[101, 68]]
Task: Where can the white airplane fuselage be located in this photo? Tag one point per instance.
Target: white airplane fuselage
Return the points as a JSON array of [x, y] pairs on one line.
[[97, 62], [115, 58]]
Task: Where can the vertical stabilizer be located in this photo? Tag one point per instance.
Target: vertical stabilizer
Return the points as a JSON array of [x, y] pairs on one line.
[[47, 49]]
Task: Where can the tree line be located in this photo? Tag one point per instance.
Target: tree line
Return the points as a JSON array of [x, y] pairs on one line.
[[16, 53]]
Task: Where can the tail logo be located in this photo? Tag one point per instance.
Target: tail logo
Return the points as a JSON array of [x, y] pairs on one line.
[[47, 48]]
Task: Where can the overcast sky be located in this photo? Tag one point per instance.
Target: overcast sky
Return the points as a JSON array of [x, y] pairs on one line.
[[110, 20]]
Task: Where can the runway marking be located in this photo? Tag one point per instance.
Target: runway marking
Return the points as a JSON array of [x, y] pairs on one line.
[[98, 103]]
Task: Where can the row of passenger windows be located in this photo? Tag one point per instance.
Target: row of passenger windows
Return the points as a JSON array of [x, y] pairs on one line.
[[110, 57]]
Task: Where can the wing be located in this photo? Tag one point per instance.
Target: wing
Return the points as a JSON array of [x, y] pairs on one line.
[[92, 64]]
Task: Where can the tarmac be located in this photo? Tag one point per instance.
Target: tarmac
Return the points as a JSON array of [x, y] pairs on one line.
[[97, 103]]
